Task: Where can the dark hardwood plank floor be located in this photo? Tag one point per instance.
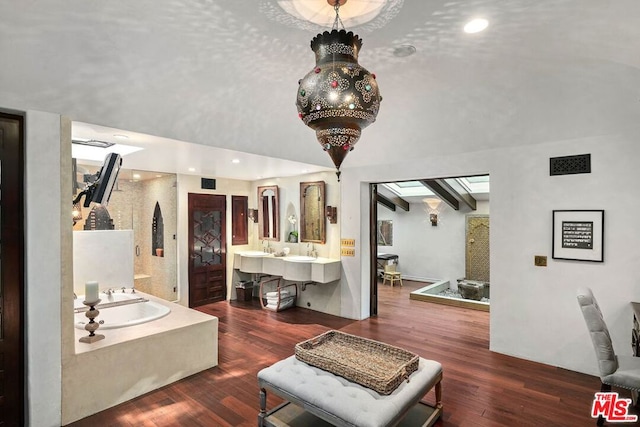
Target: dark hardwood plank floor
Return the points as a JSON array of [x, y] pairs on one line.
[[480, 388]]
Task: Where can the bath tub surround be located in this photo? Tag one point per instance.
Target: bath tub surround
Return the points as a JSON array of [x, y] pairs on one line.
[[120, 310], [134, 360]]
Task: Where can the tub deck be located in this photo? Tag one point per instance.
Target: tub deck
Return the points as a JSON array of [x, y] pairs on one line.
[[134, 360]]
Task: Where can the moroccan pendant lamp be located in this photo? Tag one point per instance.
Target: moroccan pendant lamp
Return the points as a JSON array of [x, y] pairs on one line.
[[338, 98]]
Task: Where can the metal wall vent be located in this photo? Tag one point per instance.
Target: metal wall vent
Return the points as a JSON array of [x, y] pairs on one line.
[[207, 183], [569, 165]]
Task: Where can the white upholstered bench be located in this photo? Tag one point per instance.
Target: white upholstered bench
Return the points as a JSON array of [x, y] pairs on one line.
[[316, 397]]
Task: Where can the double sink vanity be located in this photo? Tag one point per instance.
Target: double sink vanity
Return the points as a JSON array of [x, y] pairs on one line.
[[297, 268], [281, 267]]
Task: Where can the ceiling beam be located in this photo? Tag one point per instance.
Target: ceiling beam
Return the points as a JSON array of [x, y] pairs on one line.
[[398, 201], [442, 190], [462, 192], [384, 201]]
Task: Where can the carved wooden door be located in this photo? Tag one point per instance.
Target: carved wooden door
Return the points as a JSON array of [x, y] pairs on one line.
[[11, 270], [207, 249], [477, 248]]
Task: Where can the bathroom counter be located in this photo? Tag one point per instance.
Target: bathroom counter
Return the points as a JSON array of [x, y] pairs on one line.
[[292, 267]]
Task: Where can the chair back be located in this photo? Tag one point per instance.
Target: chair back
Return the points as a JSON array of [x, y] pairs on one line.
[[607, 360], [389, 268]]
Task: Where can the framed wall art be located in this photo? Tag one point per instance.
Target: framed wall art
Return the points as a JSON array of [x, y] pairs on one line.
[[578, 235]]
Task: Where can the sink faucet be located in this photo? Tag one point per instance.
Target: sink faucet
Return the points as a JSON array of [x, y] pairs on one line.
[[311, 252]]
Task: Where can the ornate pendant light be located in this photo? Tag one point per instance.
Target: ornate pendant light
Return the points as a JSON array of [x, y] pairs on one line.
[[338, 98]]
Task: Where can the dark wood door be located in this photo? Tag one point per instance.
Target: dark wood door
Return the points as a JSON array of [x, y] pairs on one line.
[[12, 387], [207, 249], [239, 224]]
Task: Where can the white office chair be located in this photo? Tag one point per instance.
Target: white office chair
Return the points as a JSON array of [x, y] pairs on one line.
[[617, 371]]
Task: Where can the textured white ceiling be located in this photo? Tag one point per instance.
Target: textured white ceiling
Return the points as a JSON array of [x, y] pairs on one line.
[[224, 73]]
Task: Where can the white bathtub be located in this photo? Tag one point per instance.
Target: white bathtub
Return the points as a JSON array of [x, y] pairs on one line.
[[122, 316]]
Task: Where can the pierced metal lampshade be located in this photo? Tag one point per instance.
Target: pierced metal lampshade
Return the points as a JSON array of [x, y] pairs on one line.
[[338, 98]]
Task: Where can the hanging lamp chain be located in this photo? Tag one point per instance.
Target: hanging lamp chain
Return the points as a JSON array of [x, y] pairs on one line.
[[337, 23]]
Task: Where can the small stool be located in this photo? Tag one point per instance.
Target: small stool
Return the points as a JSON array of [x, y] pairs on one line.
[[391, 274]]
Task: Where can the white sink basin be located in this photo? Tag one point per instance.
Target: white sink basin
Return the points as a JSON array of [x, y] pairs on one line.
[[300, 258], [250, 261], [254, 253]]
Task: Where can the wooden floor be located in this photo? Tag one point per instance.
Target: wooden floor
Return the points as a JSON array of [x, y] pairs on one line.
[[480, 388]]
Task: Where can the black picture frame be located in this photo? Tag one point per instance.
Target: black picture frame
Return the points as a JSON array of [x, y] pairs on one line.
[[578, 235]]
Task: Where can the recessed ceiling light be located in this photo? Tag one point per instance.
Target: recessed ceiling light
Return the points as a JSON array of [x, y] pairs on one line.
[[404, 50], [476, 25], [235, 161], [158, 176], [192, 169], [120, 136], [136, 176]]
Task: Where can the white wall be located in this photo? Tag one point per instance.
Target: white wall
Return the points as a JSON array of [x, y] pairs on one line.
[[534, 312], [104, 256], [426, 252], [46, 252]]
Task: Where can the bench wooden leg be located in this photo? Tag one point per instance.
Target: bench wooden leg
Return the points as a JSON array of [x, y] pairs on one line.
[[263, 407], [439, 394]]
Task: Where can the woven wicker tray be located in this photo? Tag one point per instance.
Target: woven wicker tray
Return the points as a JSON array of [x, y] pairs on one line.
[[378, 366]]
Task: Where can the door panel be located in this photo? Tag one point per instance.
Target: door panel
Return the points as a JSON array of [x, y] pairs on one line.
[[207, 249], [239, 224], [12, 385], [477, 248]]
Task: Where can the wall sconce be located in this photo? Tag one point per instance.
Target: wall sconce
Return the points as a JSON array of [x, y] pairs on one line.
[[253, 215], [332, 214], [76, 211], [432, 209]]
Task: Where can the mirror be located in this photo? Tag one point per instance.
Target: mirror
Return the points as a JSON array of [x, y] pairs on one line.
[[385, 232], [268, 213], [312, 205]]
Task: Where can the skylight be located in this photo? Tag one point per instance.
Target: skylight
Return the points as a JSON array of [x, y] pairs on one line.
[[97, 154], [412, 189]]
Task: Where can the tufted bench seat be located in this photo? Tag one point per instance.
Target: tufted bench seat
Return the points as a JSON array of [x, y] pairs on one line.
[[314, 395]]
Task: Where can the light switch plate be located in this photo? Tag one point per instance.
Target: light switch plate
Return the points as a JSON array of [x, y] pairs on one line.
[[347, 252], [348, 242], [540, 260]]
